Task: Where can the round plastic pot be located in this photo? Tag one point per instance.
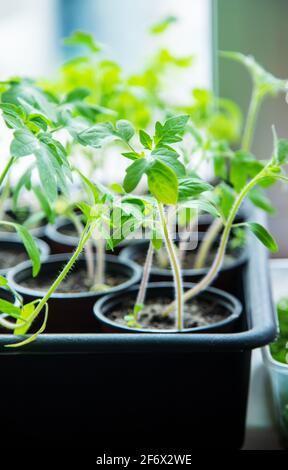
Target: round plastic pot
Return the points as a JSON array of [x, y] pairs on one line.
[[71, 313], [165, 290], [278, 374], [229, 278], [8, 242], [38, 232]]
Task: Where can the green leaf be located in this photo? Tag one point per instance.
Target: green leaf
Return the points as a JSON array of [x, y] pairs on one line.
[[10, 309], [163, 25], [29, 243], [145, 140], [83, 39], [163, 183], [191, 188], [172, 130], [44, 203], [263, 235], [91, 187], [260, 200], [132, 155], [134, 174], [125, 130], [24, 144], [169, 157], [203, 206], [243, 167], [31, 248], [281, 153], [24, 181], [33, 337], [282, 310], [3, 281], [227, 197], [98, 135], [78, 94], [14, 116]]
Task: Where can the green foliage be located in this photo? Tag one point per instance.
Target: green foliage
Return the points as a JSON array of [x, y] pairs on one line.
[[279, 349], [83, 39], [163, 25], [265, 82], [263, 235]]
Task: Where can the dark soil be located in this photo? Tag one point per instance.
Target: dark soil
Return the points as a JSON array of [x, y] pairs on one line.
[[68, 230], [75, 283], [199, 313], [188, 259], [10, 257]]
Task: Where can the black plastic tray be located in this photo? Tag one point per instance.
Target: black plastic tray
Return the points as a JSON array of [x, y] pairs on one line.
[[151, 391]]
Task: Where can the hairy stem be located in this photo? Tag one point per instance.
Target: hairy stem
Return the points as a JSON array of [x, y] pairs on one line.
[[88, 250], [207, 243], [184, 241], [175, 268], [146, 273], [218, 261], [249, 130], [100, 262]]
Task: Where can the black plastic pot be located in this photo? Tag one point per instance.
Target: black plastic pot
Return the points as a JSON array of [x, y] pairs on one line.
[[8, 242], [70, 313], [166, 290], [20, 218], [139, 391], [229, 279]]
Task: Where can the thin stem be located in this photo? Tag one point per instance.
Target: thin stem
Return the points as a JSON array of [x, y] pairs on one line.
[[207, 243], [249, 130], [89, 256], [146, 273], [6, 170], [184, 240], [85, 237], [218, 261], [100, 263], [3, 197], [175, 268]]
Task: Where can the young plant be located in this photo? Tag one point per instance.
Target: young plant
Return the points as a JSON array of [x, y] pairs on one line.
[[242, 164], [169, 185]]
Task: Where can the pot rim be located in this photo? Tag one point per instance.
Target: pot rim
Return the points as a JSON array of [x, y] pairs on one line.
[[231, 302], [239, 261], [271, 363], [15, 240], [135, 277]]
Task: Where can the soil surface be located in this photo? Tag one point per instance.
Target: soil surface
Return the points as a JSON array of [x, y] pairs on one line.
[[10, 257], [75, 283], [188, 259], [68, 230], [198, 313]]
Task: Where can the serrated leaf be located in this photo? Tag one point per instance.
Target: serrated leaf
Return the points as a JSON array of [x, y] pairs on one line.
[[171, 131], [263, 235], [125, 130], [24, 144], [145, 140], [191, 188], [134, 174], [96, 136]]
